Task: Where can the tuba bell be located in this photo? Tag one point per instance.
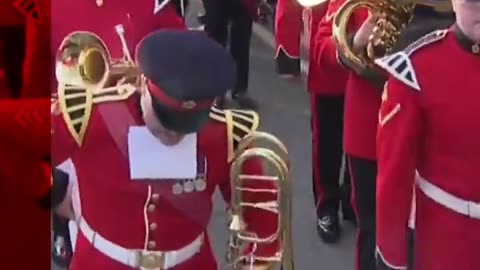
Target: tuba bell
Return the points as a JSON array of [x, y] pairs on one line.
[[276, 169], [391, 17], [83, 61]]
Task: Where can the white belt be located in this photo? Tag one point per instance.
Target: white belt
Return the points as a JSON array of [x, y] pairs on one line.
[[467, 208], [138, 258]]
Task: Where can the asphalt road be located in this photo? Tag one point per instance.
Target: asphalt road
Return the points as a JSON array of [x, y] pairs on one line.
[[284, 110]]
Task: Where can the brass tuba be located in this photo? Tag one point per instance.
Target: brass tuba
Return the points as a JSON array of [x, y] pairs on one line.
[[391, 17], [275, 163], [83, 61]]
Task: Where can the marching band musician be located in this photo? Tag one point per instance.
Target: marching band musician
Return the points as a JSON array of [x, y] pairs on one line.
[[132, 216], [58, 18], [326, 84], [230, 23], [288, 33], [428, 137], [362, 103]]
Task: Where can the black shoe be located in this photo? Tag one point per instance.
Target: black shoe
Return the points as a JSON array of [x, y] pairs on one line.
[[202, 18], [244, 101], [329, 228]]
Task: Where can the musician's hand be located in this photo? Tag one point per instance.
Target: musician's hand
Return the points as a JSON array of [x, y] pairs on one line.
[[362, 36]]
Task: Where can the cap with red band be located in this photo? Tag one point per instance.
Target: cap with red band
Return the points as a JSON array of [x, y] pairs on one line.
[[177, 105], [185, 71]]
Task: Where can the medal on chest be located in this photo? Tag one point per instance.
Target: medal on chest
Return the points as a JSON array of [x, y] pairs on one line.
[[198, 184], [190, 185]]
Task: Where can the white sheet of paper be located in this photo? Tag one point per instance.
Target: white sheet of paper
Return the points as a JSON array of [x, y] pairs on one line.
[[150, 159]]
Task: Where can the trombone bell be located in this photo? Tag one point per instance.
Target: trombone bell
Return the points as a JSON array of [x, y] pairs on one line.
[[93, 66], [83, 60], [274, 158]]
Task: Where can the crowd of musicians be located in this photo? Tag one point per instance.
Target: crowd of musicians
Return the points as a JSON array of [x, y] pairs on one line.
[[395, 128]]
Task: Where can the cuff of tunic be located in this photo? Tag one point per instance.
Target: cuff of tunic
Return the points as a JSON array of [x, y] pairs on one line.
[[286, 65], [384, 264]]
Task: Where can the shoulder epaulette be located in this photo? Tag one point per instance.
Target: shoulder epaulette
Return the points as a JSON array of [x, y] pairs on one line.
[[30, 9], [399, 64], [239, 124], [76, 105]]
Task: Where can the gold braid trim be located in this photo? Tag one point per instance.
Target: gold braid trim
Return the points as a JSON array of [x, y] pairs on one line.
[[239, 124], [76, 105]]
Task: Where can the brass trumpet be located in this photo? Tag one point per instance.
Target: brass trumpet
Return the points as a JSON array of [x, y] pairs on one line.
[[83, 61], [391, 17], [274, 158]]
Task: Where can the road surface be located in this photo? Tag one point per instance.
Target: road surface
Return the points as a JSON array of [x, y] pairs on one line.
[[284, 110]]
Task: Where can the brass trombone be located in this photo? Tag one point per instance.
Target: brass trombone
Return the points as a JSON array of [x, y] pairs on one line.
[[86, 74], [83, 60], [275, 161]]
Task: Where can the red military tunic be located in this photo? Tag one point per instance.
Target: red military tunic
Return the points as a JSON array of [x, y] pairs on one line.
[[148, 215], [24, 178], [289, 27], [316, 14], [360, 104], [429, 124], [362, 100], [138, 18], [329, 72], [288, 33]]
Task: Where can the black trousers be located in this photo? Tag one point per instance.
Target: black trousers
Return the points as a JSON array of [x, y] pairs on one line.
[[364, 178], [60, 229], [13, 38], [327, 133], [225, 15], [180, 7]]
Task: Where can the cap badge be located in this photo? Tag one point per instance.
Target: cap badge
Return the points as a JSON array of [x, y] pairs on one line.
[[476, 49], [189, 104]]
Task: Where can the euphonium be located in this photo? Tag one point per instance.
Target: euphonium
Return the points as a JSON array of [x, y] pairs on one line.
[[391, 17], [83, 61], [275, 164]]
